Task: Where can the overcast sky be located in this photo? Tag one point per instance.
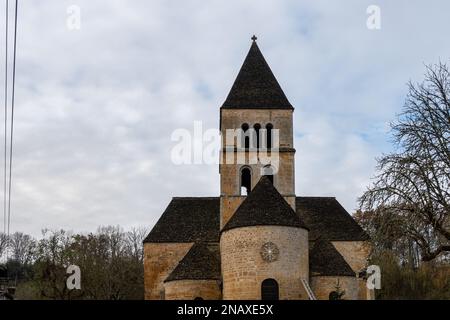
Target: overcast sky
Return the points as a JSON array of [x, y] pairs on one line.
[[95, 107]]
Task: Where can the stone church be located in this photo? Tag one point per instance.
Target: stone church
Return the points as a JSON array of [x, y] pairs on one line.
[[258, 239]]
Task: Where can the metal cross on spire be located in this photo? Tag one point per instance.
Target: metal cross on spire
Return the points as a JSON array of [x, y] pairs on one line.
[[254, 38]]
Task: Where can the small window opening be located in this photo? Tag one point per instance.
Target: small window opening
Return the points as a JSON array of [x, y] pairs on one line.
[[246, 181]]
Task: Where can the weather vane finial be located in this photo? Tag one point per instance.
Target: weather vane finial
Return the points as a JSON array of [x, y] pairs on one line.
[[254, 38]]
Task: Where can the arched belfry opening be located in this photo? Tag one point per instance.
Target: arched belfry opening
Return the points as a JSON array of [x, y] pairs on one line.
[[245, 135], [269, 290], [269, 128], [257, 128], [246, 181]]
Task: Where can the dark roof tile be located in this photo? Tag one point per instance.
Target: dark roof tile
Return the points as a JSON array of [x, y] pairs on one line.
[[197, 219], [325, 260], [255, 86], [188, 220], [202, 262], [326, 218], [264, 206]]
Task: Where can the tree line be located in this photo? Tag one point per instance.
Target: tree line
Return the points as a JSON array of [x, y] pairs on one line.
[[110, 261]]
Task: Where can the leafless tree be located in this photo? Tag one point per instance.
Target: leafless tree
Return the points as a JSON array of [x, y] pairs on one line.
[[134, 239], [413, 183], [3, 243], [22, 247]]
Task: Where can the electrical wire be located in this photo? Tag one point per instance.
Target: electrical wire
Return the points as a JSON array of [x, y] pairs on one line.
[[12, 117], [6, 116]]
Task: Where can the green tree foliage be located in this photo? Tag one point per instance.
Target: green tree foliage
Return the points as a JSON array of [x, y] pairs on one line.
[[430, 280]]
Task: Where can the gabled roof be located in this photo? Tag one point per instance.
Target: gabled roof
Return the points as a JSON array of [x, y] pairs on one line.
[[327, 219], [188, 220], [325, 260], [264, 206], [197, 219], [255, 86], [202, 262]]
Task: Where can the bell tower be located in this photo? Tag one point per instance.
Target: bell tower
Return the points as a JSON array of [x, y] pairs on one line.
[[256, 123]]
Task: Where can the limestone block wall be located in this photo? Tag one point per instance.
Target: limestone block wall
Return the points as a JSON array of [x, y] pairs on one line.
[[363, 292], [284, 160], [355, 253], [284, 178], [228, 206], [230, 182], [243, 268], [322, 286], [229, 179], [159, 261], [191, 289], [280, 119]]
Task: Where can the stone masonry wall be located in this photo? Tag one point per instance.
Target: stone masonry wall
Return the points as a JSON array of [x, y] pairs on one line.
[[284, 178], [230, 184], [191, 289], [355, 253], [159, 261], [363, 292], [322, 286], [280, 119], [243, 268], [228, 206]]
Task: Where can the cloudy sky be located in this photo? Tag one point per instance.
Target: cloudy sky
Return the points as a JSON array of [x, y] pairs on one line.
[[95, 107]]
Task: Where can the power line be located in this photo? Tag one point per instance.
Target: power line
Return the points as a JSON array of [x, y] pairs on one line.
[[6, 113], [12, 117]]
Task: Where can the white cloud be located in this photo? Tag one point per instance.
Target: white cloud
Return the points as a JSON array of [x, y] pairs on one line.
[[96, 107]]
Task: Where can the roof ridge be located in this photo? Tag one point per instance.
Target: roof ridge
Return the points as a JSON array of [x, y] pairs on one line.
[[194, 198]]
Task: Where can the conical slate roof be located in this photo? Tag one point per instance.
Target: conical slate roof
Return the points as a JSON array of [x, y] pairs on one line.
[[264, 206], [325, 260], [255, 86], [202, 262]]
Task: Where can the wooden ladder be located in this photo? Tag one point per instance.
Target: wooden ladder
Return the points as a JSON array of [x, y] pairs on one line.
[[308, 289]]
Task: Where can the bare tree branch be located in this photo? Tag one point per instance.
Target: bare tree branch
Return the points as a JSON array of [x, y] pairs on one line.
[[414, 181]]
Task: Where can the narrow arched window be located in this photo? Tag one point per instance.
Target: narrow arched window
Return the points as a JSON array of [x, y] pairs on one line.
[[269, 290], [257, 127], [246, 181], [269, 128], [245, 135]]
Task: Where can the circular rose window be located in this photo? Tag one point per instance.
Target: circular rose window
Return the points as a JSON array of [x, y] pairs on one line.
[[269, 252]]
